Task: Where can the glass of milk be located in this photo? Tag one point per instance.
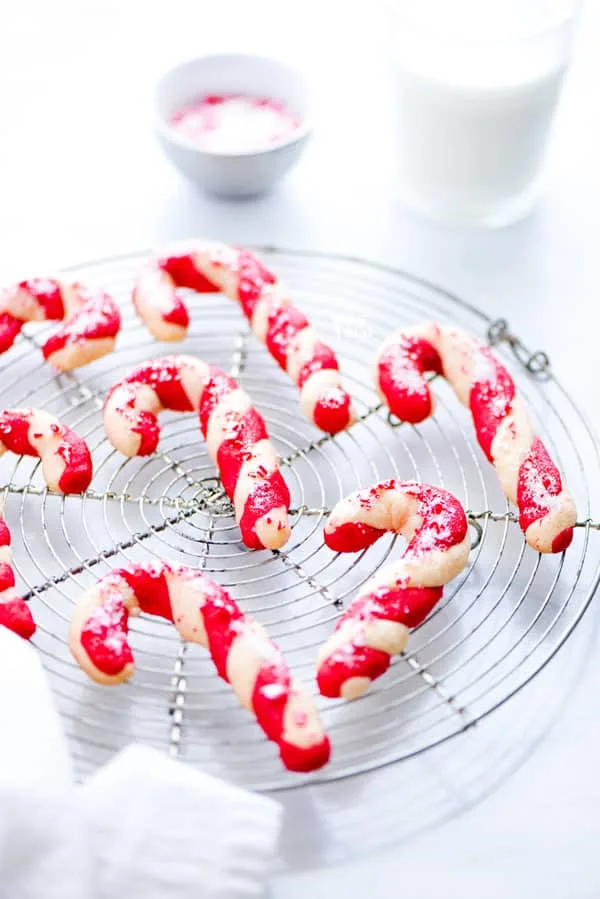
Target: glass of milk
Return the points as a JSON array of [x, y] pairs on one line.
[[476, 84]]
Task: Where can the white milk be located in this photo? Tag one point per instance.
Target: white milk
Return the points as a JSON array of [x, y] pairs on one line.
[[474, 110]]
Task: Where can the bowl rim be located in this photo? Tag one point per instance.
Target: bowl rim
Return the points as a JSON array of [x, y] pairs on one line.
[[165, 130]]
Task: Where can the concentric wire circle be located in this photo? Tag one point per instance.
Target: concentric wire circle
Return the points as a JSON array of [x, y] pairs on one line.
[[496, 627]]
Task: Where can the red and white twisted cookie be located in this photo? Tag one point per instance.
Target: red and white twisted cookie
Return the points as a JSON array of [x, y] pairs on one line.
[[14, 611], [209, 267], [66, 459], [91, 319], [204, 613], [399, 596], [235, 434], [67, 468], [527, 474]]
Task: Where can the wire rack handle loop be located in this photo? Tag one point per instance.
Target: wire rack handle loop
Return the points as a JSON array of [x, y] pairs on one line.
[[537, 363]]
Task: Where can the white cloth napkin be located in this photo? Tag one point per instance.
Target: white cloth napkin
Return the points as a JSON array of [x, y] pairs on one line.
[[43, 847], [159, 829]]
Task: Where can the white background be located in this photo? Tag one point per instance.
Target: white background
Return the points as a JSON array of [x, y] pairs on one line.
[[80, 177]]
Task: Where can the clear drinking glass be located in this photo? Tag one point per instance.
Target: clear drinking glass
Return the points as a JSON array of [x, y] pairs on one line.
[[476, 84]]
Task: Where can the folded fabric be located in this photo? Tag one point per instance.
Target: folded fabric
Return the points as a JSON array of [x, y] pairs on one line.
[[43, 847], [159, 829]]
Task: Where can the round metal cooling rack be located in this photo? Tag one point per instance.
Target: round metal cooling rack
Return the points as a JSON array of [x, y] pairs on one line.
[[496, 627]]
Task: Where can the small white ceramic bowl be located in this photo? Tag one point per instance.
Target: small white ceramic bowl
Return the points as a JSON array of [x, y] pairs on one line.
[[231, 174]]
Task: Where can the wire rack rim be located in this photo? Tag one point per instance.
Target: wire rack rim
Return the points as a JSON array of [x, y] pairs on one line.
[[179, 679]]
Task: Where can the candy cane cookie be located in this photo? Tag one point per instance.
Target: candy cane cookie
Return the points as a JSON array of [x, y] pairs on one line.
[[235, 434], [91, 319], [209, 267], [65, 457], [376, 624], [14, 611], [204, 613], [527, 474]]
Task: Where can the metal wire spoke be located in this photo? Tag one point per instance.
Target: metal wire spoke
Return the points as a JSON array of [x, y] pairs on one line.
[[307, 578], [438, 687], [496, 626], [109, 553], [178, 680], [326, 438]]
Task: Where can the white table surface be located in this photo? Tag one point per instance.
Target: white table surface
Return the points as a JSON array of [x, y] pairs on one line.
[[80, 177]]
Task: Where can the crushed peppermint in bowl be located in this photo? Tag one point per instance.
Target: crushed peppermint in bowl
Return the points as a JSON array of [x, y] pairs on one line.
[[233, 123]]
